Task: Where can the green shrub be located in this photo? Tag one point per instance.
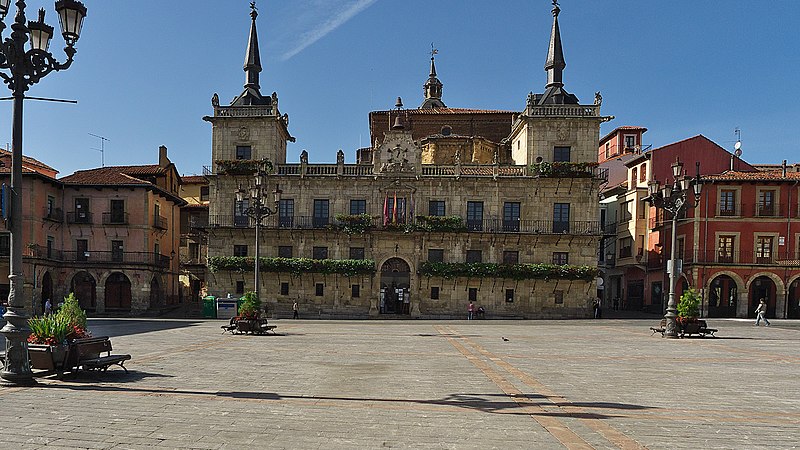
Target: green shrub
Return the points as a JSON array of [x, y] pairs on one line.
[[72, 312], [251, 306], [689, 306]]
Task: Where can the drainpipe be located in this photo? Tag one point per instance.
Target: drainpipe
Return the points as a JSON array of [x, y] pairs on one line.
[[788, 243]]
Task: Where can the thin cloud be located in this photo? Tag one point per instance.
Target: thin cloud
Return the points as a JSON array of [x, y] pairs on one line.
[[338, 19]]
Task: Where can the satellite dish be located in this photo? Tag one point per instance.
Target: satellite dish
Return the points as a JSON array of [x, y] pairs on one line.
[[738, 146], [738, 152]]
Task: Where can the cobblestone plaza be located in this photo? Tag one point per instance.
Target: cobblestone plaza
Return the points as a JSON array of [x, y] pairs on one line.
[[422, 384]]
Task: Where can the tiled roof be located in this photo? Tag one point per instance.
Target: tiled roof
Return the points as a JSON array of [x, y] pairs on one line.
[[111, 175], [622, 128], [29, 160], [448, 111], [776, 175], [193, 179]]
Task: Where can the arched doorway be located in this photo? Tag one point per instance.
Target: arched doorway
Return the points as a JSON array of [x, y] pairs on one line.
[[794, 299], [47, 289], [762, 287], [155, 292], [722, 297], [395, 284], [118, 291], [84, 286]]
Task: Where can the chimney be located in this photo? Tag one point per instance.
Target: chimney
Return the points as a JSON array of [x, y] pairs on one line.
[[732, 158], [163, 161], [783, 166]]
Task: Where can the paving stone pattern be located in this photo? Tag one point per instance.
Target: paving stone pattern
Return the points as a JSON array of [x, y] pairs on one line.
[[422, 384]]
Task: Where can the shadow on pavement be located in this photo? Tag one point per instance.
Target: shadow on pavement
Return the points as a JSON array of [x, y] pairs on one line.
[[475, 402], [127, 327]]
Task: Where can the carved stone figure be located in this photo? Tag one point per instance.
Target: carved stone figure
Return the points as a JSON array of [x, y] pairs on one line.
[[215, 100], [304, 157], [340, 157], [244, 133], [598, 99]]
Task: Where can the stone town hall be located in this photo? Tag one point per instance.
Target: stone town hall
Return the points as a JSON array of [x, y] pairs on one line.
[[447, 205]]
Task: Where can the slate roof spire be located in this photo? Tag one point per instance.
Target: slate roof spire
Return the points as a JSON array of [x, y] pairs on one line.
[[555, 94], [252, 67], [555, 63], [432, 88]]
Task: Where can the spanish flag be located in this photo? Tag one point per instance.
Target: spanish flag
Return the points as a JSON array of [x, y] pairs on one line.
[[394, 209]]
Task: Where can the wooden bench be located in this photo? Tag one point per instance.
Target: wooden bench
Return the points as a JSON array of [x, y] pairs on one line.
[[90, 354], [699, 328], [237, 325]]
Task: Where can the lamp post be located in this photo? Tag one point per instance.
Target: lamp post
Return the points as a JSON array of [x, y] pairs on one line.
[[24, 69], [257, 208], [673, 199]]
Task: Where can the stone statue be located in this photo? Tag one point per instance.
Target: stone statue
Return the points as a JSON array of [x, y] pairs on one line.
[[457, 157], [495, 158], [340, 157], [304, 157], [215, 100], [598, 99]]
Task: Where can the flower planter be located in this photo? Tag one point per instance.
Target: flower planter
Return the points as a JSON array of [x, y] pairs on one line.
[[50, 358]]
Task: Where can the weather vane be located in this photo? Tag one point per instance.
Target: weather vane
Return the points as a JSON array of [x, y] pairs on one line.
[[434, 51], [253, 6]]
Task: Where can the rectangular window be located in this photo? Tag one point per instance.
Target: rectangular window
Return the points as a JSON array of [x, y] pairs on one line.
[[436, 208], [630, 141], [239, 250], [766, 203], [117, 211], [681, 247], [358, 207], [286, 213], [82, 249], [243, 152], [561, 218], [560, 258], [474, 256], [608, 150], [204, 193], [510, 257], [764, 250], [321, 213], [625, 208], [643, 173], [561, 154], [559, 297], [475, 216], [725, 246], [511, 216], [435, 255], [284, 288], [157, 248], [117, 251], [727, 202], [473, 294], [319, 290], [355, 291], [5, 245], [194, 251], [51, 207], [320, 253], [435, 293], [82, 210], [626, 247], [50, 244], [284, 251], [356, 252], [240, 287], [509, 296], [634, 177], [240, 218]]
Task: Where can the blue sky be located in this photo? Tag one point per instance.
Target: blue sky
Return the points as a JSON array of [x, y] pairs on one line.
[[146, 70]]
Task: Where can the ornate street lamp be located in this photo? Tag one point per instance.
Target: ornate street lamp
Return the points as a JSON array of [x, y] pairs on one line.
[[20, 69], [673, 199], [258, 209]]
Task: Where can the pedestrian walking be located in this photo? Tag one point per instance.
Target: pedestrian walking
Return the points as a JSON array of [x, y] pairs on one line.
[[48, 307], [761, 313], [470, 310], [295, 311]]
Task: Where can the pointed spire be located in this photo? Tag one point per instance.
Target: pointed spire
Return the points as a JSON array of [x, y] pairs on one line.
[[432, 89], [252, 60], [555, 54]]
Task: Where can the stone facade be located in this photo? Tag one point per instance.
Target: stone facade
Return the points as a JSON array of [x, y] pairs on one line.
[[470, 167]]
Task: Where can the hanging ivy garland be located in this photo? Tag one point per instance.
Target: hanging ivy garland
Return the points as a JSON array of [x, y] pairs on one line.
[[293, 266], [512, 271]]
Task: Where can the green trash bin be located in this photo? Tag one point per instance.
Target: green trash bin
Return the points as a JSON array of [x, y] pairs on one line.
[[209, 307]]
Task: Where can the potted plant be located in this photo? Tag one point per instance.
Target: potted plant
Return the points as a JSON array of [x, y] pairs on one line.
[[52, 335], [689, 312], [251, 307]]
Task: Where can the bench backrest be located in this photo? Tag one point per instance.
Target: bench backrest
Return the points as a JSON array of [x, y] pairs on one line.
[[92, 347]]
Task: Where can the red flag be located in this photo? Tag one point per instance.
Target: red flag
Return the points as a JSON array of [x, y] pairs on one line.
[[386, 210], [394, 209]]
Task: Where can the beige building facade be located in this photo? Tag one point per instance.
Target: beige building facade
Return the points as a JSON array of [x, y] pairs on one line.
[[426, 224]]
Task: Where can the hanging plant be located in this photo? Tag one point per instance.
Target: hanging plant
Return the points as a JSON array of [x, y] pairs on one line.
[[512, 271], [440, 223], [564, 169], [293, 266], [351, 224]]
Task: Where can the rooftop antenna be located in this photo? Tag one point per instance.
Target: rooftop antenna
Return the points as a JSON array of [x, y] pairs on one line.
[[102, 148], [737, 147]]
